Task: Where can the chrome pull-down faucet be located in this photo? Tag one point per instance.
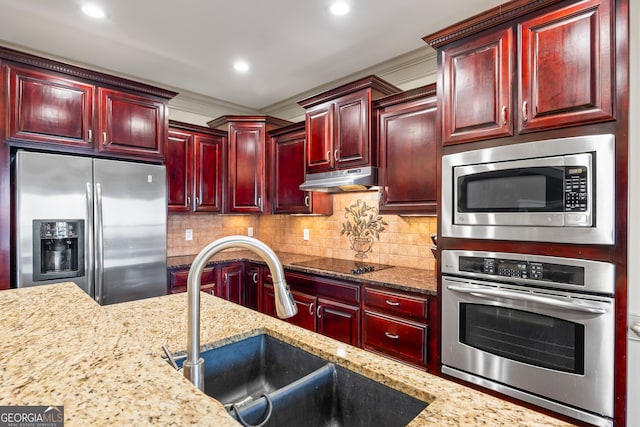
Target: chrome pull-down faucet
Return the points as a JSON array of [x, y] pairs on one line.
[[193, 367]]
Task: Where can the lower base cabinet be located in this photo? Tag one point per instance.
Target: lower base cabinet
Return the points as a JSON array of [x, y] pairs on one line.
[[325, 306], [396, 324]]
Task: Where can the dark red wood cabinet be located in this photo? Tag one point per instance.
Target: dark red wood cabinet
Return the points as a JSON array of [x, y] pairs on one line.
[[247, 172], [340, 125], [253, 284], [287, 163], [131, 124], [61, 106], [49, 108], [408, 162], [195, 161], [559, 61], [396, 324], [566, 63], [177, 280], [476, 88], [327, 306], [231, 283]]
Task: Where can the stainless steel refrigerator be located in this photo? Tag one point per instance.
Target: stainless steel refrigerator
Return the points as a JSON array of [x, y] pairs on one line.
[[99, 223]]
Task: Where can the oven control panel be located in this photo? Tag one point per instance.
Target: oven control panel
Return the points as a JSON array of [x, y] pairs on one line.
[[522, 269]]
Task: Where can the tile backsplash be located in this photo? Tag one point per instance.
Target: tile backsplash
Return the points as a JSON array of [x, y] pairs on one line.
[[404, 242]]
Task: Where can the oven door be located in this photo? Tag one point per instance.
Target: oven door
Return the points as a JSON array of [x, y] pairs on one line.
[[553, 344]]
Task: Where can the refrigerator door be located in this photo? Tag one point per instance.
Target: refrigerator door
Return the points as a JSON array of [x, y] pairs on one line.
[[130, 231], [50, 187]]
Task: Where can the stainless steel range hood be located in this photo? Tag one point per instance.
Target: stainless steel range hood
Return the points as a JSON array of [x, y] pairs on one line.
[[357, 179]]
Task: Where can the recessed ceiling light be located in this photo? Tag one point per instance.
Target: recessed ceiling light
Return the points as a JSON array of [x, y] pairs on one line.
[[241, 66], [93, 11], [339, 8]]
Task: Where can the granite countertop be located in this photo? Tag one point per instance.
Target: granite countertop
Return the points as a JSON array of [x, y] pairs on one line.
[[402, 278], [105, 366]]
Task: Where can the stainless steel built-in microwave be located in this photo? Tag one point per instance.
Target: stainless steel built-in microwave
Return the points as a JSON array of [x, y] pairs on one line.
[[559, 190]]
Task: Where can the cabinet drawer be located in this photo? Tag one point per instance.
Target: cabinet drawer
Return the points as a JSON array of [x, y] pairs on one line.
[[397, 338], [401, 304], [320, 286], [178, 280]]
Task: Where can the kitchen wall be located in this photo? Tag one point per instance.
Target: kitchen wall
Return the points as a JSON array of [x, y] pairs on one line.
[[404, 242]]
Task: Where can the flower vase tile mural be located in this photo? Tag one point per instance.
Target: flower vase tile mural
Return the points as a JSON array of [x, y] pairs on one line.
[[363, 224]]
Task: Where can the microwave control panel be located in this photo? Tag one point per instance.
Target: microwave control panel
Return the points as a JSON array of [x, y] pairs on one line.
[[523, 269], [575, 189]]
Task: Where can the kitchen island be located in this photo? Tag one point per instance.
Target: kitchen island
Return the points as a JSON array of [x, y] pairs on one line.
[[104, 363]]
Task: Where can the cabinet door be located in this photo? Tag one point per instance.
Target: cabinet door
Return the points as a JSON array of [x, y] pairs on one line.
[[476, 88], [351, 146], [131, 124], [566, 64], [48, 108], [179, 170], [209, 172], [306, 304], [232, 282], [339, 321], [319, 133], [289, 172], [408, 159], [246, 167], [252, 285]]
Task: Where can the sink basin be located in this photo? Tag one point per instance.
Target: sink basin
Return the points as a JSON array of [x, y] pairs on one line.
[[302, 389]]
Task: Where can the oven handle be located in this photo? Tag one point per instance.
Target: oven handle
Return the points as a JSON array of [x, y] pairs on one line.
[[491, 293]]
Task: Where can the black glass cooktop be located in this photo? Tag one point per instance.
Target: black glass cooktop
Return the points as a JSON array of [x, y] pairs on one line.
[[343, 265]]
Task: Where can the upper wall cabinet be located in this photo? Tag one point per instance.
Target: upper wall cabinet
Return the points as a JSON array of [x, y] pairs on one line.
[[195, 161], [340, 126], [288, 171], [559, 60], [408, 166], [247, 172], [66, 108]]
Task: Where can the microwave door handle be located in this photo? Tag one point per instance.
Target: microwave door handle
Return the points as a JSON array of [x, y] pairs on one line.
[[491, 293], [89, 246]]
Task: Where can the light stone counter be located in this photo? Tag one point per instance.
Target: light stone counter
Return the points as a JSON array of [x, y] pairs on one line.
[[104, 364]]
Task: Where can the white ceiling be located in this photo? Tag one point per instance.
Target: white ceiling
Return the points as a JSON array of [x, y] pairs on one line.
[[292, 45]]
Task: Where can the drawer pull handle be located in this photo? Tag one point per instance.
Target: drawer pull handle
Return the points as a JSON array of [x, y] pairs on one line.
[[392, 336], [319, 311], [311, 309], [392, 303]]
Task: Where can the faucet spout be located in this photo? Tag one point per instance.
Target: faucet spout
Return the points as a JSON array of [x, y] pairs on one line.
[[193, 367]]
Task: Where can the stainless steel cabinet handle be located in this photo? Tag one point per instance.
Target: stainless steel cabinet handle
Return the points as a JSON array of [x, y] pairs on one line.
[[188, 200], [392, 336], [503, 114], [329, 155], [311, 309], [198, 201], [335, 155], [99, 247], [306, 201], [525, 111], [90, 135], [392, 303], [255, 278], [89, 249], [226, 277], [516, 296], [319, 311], [104, 137], [260, 202]]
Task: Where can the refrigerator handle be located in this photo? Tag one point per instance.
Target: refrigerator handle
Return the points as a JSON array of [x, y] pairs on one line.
[[89, 249], [99, 246]]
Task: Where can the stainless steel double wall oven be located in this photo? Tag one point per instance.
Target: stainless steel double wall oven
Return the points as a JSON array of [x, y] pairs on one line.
[[536, 327]]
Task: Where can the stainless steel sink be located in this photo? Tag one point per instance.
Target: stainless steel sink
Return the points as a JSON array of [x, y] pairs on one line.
[[300, 388]]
